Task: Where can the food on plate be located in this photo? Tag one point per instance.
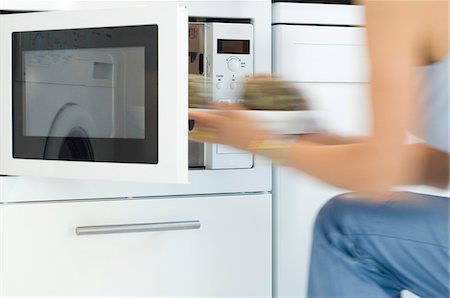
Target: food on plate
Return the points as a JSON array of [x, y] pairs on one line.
[[263, 92]]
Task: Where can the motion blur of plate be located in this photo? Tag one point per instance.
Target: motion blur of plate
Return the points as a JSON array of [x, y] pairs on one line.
[[280, 122]]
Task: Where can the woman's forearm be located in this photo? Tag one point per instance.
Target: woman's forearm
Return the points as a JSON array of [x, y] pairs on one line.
[[327, 138], [363, 167], [356, 166]]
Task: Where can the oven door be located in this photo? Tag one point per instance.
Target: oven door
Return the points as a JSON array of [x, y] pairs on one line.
[[95, 94]]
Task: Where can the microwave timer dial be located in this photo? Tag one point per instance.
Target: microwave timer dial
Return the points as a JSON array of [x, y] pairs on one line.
[[233, 64]]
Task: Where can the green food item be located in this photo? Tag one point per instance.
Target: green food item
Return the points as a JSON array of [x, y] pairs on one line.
[[263, 92], [199, 91]]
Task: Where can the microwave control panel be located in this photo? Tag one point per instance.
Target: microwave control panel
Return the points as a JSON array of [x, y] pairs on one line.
[[229, 59], [223, 53]]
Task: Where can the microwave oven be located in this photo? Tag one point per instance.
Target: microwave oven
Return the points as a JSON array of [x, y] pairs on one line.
[[102, 94]]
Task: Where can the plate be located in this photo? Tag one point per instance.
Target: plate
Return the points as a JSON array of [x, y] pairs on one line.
[[280, 122]]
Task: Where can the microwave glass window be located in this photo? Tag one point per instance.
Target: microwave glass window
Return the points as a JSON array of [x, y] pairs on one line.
[[86, 94], [105, 87], [233, 46]]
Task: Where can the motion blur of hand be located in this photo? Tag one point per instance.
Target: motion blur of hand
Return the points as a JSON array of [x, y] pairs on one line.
[[225, 125]]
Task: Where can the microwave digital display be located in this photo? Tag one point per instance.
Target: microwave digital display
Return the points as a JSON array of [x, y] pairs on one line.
[[233, 46], [86, 94]]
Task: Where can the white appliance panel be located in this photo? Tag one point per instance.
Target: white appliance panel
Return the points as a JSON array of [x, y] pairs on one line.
[[344, 107], [27, 188], [317, 13], [320, 54]]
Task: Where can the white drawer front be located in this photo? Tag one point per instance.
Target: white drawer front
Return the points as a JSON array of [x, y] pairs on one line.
[[229, 255], [320, 54]]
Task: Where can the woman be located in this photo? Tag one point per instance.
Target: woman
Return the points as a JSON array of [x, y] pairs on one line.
[[375, 242]]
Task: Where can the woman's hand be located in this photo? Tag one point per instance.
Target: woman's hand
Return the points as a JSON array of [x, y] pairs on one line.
[[226, 125]]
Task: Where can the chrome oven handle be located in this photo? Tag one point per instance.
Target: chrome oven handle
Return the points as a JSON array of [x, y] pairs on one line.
[[135, 228]]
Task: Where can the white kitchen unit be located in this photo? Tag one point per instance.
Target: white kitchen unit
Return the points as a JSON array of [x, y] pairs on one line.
[[321, 48], [125, 234]]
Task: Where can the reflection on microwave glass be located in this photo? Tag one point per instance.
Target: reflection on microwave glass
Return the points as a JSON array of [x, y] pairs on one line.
[[102, 90]]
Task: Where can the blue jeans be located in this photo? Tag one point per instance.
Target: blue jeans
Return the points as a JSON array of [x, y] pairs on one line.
[[364, 248]]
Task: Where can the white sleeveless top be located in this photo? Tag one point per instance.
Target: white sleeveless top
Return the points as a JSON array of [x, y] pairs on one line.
[[436, 104]]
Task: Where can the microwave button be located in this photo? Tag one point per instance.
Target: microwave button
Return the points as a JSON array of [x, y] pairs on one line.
[[233, 64], [233, 85], [219, 85]]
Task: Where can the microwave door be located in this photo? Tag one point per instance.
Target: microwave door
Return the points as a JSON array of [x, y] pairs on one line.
[[96, 94]]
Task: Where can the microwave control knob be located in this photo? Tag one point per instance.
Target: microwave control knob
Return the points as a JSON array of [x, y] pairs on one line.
[[233, 64]]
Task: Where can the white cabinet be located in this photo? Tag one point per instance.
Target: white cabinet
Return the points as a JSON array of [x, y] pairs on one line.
[[229, 254], [320, 53], [329, 63], [330, 66], [297, 199]]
